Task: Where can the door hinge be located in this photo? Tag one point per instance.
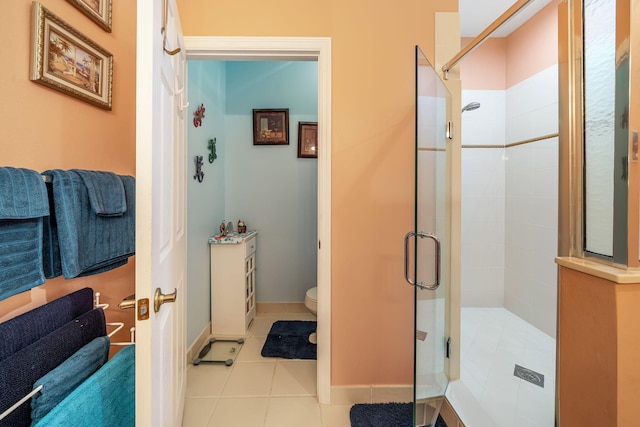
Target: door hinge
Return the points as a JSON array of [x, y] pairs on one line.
[[448, 347]]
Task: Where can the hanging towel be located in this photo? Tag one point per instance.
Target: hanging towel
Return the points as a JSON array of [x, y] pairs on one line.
[[105, 399], [57, 384], [23, 204], [106, 192], [50, 244], [22, 194], [19, 371], [29, 327], [87, 243]]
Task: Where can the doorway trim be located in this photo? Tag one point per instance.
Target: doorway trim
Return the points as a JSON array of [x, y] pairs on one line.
[[295, 49]]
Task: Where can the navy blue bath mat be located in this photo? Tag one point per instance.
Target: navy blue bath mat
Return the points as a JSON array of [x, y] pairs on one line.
[[289, 339], [385, 415]]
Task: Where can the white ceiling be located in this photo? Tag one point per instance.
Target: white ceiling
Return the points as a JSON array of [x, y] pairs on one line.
[[476, 15]]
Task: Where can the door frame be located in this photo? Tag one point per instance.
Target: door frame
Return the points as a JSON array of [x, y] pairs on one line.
[[295, 49]]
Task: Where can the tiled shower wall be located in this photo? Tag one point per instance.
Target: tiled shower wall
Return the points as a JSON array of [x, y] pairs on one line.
[[509, 200]]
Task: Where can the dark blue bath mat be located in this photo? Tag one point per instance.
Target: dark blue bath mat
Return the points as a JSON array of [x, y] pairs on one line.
[[385, 415], [289, 339]]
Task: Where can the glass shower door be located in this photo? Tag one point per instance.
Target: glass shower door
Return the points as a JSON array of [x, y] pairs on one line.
[[430, 244]]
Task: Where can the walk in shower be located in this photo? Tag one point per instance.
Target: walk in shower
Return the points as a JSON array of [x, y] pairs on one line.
[[509, 235], [509, 211]]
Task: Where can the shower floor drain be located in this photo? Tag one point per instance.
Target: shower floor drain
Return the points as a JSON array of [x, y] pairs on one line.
[[528, 375]]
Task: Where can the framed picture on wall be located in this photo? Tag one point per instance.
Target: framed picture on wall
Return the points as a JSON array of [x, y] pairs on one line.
[[307, 139], [64, 59], [99, 11], [271, 126]]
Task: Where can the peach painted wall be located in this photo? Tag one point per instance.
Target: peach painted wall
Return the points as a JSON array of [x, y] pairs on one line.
[[45, 129], [372, 160], [599, 346], [628, 374], [502, 62], [485, 67], [587, 357], [534, 46]]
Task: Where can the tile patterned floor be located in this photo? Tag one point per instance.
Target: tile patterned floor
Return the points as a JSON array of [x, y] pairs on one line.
[[258, 391], [494, 340], [266, 392]]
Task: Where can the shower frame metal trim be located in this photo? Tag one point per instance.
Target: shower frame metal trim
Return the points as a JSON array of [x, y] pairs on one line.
[[571, 206], [570, 129], [499, 22]]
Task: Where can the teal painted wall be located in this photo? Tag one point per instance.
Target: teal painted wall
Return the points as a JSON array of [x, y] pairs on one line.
[[206, 80], [268, 187]]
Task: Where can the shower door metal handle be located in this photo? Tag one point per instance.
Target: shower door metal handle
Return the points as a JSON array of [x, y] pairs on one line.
[[422, 235]]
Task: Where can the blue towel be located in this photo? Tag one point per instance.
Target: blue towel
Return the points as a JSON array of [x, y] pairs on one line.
[[23, 203], [22, 194], [87, 243], [106, 192], [57, 384], [50, 245], [29, 327], [106, 399], [19, 371]]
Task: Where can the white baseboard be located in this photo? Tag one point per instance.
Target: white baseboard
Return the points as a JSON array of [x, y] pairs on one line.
[[280, 307], [193, 351], [351, 395]]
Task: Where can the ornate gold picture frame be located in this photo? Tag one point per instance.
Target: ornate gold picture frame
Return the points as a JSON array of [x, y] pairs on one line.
[[64, 59], [99, 11]]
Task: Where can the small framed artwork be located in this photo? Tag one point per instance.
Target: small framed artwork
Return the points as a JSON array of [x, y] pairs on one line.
[[64, 59], [271, 126], [99, 11], [307, 139]]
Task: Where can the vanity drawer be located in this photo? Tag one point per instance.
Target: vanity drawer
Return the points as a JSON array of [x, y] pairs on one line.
[[250, 246]]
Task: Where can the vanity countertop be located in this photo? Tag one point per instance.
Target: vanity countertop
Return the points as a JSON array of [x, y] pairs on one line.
[[232, 238]]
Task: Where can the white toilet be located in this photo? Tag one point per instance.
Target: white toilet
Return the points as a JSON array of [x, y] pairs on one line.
[[311, 302]]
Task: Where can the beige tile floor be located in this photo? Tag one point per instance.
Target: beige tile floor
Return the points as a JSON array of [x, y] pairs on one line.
[[257, 391]]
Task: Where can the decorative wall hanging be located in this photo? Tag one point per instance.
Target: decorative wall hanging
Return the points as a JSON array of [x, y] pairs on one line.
[[99, 11], [199, 174], [307, 139], [212, 148], [64, 59], [198, 116], [271, 127]]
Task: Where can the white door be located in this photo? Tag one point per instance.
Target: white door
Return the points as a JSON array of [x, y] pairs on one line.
[[160, 221]]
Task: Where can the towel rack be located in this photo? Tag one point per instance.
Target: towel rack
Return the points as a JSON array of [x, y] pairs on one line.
[[20, 402], [118, 325]]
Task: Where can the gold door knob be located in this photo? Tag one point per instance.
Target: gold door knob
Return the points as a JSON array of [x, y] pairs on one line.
[[159, 298]]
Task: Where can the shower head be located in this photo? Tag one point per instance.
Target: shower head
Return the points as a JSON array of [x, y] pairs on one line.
[[471, 106]]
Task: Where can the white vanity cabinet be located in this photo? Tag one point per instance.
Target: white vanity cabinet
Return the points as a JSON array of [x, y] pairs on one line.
[[233, 283]]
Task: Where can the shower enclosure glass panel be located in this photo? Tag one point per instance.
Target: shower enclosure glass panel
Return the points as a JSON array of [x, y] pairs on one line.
[[599, 123], [431, 243]]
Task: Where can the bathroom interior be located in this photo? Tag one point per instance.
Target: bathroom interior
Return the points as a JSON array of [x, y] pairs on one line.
[[499, 293], [270, 188], [509, 227], [509, 206]]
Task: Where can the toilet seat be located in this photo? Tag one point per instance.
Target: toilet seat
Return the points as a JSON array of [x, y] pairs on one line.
[[312, 294], [311, 300]]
